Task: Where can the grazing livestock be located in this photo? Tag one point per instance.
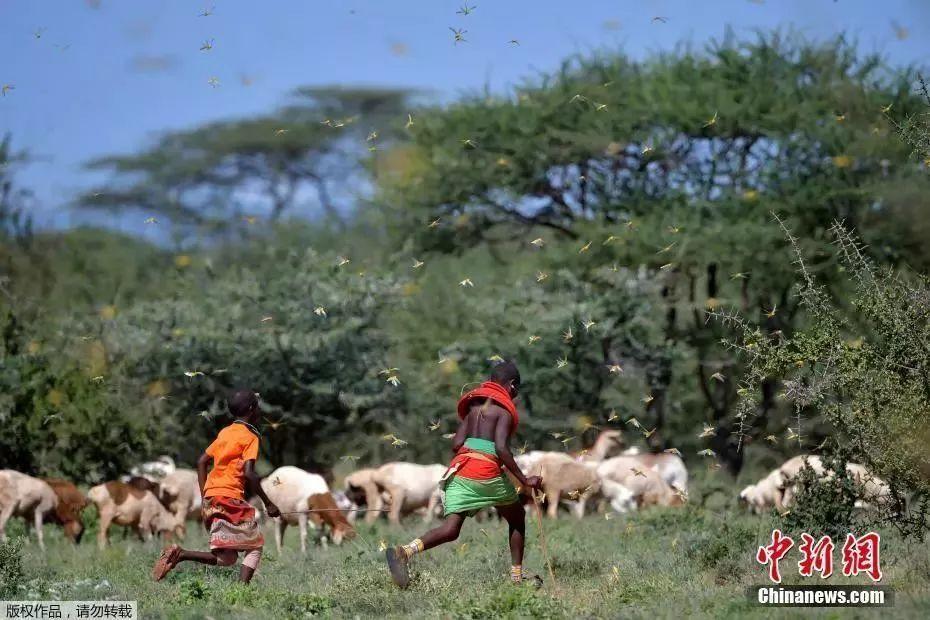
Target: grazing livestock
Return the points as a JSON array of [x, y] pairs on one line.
[[26, 497], [153, 470], [670, 466], [563, 478], [620, 497], [122, 504], [607, 443], [765, 494], [348, 507], [328, 515], [411, 487], [67, 513], [295, 491], [179, 492], [873, 489], [143, 484], [790, 470], [361, 490], [647, 485]]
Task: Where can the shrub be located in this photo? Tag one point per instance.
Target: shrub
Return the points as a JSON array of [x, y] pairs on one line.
[[824, 504], [867, 370]]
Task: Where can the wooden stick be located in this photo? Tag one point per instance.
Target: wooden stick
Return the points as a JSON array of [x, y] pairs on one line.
[[542, 539]]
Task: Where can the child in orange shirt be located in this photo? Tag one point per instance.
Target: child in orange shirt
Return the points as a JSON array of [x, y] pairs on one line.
[[230, 519]]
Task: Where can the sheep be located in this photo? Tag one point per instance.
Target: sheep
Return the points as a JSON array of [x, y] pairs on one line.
[[620, 497], [411, 487], [873, 488], [361, 490], [27, 497], [790, 470], [563, 477], [152, 470], [295, 491], [120, 503], [349, 508], [179, 492], [670, 466], [765, 494], [607, 441], [647, 485]]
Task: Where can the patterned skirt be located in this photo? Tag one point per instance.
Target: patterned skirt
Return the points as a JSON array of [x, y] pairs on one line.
[[232, 524]]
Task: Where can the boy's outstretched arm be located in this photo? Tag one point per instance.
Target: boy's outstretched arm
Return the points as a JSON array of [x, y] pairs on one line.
[[502, 447], [255, 486]]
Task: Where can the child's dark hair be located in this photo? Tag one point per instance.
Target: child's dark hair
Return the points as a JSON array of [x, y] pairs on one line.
[[241, 403], [505, 372]]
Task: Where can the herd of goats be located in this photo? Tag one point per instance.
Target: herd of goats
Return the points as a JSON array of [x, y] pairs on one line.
[[158, 498]]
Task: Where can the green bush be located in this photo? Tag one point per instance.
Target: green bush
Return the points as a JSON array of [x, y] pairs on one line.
[[865, 369], [58, 418], [824, 504]]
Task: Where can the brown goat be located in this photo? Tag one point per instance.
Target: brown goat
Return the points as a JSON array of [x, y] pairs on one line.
[[329, 514], [71, 502]]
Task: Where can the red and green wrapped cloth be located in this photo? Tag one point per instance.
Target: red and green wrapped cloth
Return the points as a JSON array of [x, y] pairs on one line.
[[474, 479]]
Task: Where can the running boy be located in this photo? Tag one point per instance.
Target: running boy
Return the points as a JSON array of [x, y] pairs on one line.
[[230, 519], [474, 479]]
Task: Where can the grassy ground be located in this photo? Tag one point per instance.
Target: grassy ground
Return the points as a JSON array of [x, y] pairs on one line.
[[658, 563]]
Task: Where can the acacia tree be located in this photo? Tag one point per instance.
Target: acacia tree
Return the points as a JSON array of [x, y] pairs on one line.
[[213, 176], [673, 164]]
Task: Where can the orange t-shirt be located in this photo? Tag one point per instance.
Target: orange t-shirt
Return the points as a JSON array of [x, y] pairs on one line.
[[235, 445]]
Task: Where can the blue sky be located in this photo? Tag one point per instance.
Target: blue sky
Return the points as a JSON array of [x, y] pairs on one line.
[[93, 80]]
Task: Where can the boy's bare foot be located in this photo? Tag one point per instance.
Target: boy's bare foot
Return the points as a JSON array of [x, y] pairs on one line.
[[397, 563], [166, 561]]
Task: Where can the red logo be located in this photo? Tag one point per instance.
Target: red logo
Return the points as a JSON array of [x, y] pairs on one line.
[[816, 556], [773, 553], [860, 555]]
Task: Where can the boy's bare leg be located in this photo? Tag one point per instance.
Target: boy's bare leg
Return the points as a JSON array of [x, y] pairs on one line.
[[397, 557], [217, 557], [249, 565], [516, 522], [172, 555], [447, 531]]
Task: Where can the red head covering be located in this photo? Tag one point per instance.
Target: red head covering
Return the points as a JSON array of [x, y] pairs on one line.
[[498, 395]]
